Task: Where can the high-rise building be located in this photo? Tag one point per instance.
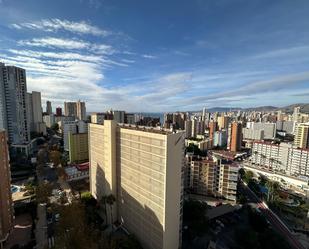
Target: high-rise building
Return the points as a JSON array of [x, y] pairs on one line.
[[143, 169], [119, 116], [301, 139], [78, 147], [188, 128], [14, 117], [81, 110], [58, 111], [296, 114], [49, 109], [70, 109], [235, 136], [204, 114], [213, 127], [6, 208], [223, 122], [34, 111]]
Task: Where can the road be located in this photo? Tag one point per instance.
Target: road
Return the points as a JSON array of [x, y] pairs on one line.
[[272, 217]]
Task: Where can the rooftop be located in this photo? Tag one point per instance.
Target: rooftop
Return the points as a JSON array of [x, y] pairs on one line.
[[157, 130]]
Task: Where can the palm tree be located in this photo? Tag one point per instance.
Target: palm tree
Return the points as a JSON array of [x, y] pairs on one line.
[[110, 199], [273, 188]]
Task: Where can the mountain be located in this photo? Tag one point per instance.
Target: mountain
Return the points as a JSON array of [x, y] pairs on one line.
[[304, 108]]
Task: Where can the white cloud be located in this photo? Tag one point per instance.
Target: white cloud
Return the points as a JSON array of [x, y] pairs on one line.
[[149, 56], [55, 43], [62, 43], [55, 24]]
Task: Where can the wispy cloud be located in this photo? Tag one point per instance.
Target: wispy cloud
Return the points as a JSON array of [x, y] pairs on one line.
[[149, 56], [54, 25], [62, 43]]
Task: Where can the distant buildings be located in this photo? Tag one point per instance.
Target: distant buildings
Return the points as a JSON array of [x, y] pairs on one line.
[[6, 205], [13, 104], [75, 109], [143, 169], [118, 116], [269, 129], [49, 109], [301, 139], [72, 127], [81, 110], [34, 111], [70, 109], [211, 176], [58, 111], [284, 158], [97, 118]]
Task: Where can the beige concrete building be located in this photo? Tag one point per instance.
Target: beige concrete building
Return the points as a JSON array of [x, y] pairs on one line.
[[78, 147], [301, 139], [143, 168], [6, 208], [223, 122]]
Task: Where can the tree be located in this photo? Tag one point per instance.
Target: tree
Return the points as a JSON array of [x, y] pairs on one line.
[[55, 157], [43, 192], [55, 127], [72, 230], [273, 190], [248, 176]]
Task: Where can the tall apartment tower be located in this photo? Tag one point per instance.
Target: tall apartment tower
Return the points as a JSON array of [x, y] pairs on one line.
[[223, 122], [81, 110], [49, 109], [70, 109], [301, 139], [213, 127], [143, 169], [6, 208], [235, 137], [13, 104]]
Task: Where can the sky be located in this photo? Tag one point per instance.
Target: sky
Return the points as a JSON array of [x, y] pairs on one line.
[[159, 56]]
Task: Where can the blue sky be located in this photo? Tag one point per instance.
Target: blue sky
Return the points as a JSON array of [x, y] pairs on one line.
[[160, 55]]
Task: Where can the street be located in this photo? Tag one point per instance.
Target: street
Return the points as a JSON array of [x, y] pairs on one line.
[[274, 220]]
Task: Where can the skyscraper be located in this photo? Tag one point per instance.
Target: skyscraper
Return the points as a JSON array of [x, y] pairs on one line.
[[301, 139], [70, 109], [49, 109], [235, 136], [223, 122], [6, 208], [81, 110], [13, 104], [143, 169], [213, 127]]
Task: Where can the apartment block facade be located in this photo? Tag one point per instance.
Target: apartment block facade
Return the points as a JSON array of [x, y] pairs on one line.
[[301, 139], [284, 158], [143, 168], [13, 104], [6, 206], [211, 176], [78, 147]]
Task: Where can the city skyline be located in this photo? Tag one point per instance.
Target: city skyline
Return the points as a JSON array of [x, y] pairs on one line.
[[165, 59]]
